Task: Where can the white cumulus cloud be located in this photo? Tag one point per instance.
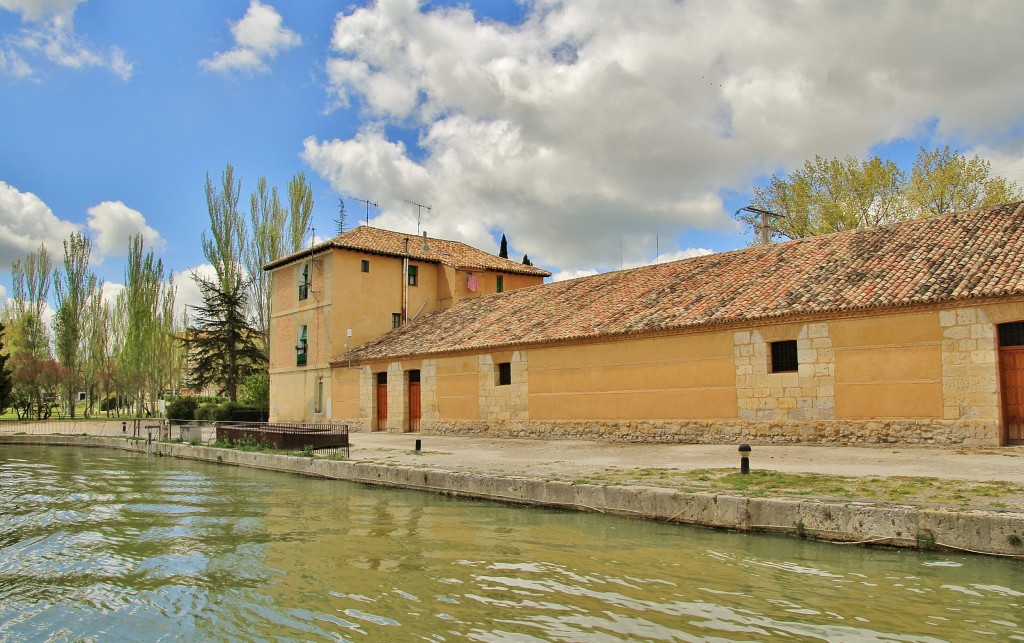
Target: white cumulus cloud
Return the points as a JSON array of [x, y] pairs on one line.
[[259, 35], [113, 223], [188, 294], [25, 223], [50, 35], [591, 126]]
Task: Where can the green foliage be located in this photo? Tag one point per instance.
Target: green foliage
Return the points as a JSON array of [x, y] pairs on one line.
[[1014, 540], [74, 286], [832, 195], [503, 250], [256, 391], [300, 202], [182, 408], [223, 347], [6, 377]]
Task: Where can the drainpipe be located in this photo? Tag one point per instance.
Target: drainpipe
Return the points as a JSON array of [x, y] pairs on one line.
[[405, 283]]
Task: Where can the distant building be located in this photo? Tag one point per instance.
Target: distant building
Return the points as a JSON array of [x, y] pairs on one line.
[[344, 292], [907, 333]]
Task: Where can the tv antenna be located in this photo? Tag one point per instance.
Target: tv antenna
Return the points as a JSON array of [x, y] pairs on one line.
[[419, 208], [368, 204], [765, 215]]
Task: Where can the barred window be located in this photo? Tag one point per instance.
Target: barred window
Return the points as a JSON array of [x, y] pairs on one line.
[[784, 356]]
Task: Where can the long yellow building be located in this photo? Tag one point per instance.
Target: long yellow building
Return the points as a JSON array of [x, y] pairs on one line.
[[907, 333]]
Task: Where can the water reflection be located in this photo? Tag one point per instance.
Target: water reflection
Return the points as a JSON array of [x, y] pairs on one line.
[[102, 545]]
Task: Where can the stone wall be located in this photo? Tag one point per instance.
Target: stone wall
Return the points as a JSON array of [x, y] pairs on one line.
[[835, 432], [807, 394], [509, 403], [970, 366]]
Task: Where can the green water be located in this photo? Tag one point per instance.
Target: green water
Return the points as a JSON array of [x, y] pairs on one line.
[[101, 545]]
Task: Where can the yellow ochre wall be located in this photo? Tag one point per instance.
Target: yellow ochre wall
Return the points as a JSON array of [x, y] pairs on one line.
[[458, 388], [683, 376], [888, 366]]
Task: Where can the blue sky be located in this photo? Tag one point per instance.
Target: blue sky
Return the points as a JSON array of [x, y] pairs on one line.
[[594, 134]]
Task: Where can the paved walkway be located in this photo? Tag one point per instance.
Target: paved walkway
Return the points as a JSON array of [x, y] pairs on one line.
[[565, 458]]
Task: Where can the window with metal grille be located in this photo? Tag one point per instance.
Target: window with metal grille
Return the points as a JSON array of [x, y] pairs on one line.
[[304, 283], [784, 356], [504, 374], [302, 348], [1011, 334]]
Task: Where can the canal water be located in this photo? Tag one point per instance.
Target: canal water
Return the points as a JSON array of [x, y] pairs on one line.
[[103, 545]]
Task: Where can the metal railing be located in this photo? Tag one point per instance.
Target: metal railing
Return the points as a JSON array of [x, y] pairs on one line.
[[327, 438]]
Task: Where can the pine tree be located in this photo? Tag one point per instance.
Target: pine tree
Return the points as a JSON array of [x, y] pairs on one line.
[[222, 346], [503, 252], [6, 378]]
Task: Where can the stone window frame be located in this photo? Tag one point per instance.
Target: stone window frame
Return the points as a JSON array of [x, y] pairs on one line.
[[503, 374], [784, 356]]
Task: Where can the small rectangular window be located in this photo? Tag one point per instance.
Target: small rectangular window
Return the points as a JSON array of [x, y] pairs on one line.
[[382, 377], [501, 284], [413, 275], [365, 267], [784, 356], [504, 374], [1011, 334], [414, 376], [396, 320]]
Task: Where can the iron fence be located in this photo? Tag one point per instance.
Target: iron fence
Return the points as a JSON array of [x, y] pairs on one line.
[[328, 438]]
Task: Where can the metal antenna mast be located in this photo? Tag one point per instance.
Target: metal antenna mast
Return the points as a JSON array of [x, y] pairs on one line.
[[419, 208], [765, 215], [368, 204]]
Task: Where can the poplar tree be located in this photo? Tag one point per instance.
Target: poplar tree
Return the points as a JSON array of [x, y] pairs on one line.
[[267, 218], [300, 213], [225, 247], [944, 181], [73, 286]]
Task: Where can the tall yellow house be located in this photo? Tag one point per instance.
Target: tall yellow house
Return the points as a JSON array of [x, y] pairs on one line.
[[340, 294], [906, 333]]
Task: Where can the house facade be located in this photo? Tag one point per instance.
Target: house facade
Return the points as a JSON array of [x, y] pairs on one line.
[[342, 293], [908, 333]]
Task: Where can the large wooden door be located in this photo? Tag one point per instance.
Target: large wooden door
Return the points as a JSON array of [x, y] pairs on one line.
[[1011, 372], [380, 421], [414, 401]]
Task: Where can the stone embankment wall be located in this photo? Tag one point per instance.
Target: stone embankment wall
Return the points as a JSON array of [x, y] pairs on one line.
[[852, 522]]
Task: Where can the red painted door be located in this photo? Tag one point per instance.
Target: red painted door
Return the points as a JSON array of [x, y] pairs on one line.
[[381, 421], [1011, 371], [414, 406]]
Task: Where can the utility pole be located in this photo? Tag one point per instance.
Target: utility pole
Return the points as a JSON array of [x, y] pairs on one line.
[[368, 204], [419, 208], [764, 228]]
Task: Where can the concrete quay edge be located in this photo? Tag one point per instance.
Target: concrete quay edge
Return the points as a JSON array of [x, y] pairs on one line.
[[860, 523]]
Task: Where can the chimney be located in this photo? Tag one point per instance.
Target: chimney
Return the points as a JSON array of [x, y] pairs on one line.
[[425, 247]]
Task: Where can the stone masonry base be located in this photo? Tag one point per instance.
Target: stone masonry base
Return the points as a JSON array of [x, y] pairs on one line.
[[971, 433]]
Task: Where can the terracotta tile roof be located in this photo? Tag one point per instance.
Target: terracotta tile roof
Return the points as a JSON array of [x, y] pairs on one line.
[[972, 254], [385, 242]]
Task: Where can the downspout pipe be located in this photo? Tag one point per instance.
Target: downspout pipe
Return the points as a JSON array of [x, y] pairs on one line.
[[405, 284]]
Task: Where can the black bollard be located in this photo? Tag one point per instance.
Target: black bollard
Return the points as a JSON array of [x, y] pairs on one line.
[[745, 458], [124, 428], [418, 445]]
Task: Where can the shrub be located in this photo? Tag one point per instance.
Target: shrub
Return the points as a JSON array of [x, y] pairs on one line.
[[182, 408]]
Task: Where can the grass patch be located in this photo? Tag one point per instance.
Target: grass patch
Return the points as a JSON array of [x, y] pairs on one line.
[[763, 483]]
